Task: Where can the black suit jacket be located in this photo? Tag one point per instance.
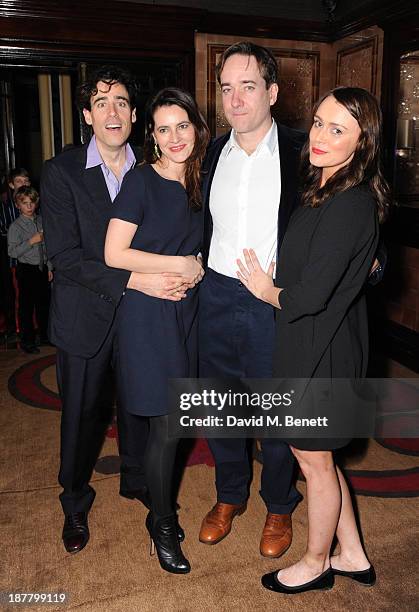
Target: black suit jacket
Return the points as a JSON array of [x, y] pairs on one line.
[[290, 144], [76, 209]]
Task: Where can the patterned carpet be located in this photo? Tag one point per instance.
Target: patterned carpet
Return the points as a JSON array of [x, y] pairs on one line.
[[114, 573], [34, 384]]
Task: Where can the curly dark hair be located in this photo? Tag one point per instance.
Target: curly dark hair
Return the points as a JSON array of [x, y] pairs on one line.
[[265, 59], [365, 166], [172, 96], [109, 75]]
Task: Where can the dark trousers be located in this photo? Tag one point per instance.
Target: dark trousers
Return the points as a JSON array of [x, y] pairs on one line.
[[7, 290], [87, 390], [236, 340], [34, 297]]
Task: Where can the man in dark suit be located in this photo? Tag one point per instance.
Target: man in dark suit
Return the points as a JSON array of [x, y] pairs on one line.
[[250, 191], [78, 188]]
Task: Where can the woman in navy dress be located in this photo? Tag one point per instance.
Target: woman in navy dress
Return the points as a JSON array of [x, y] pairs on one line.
[[157, 228], [322, 330]]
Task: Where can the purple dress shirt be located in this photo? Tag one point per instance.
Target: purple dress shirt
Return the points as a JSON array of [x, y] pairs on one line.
[[94, 159]]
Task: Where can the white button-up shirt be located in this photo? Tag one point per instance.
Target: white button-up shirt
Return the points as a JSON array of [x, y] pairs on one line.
[[244, 202]]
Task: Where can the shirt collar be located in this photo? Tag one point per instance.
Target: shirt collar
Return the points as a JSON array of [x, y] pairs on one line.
[[269, 141], [24, 219], [95, 159]]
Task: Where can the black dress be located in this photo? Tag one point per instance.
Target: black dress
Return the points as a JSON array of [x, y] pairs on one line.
[[157, 339], [322, 327]]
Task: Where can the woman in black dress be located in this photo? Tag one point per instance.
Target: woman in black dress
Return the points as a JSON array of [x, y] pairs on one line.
[[322, 329], [157, 228]]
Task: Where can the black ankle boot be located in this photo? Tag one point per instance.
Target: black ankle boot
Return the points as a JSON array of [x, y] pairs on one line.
[[164, 537], [179, 530]]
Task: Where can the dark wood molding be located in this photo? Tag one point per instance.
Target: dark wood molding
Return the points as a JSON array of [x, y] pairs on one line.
[[159, 25], [397, 342], [98, 24], [100, 11], [12, 52], [149, 27], [212, 52], [244, 26], [387, 14]]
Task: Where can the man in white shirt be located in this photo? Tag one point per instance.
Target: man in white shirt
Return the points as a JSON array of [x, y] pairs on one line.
[[250, 189]]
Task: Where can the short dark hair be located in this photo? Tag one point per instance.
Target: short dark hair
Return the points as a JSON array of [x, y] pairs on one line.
[[265, 59], [173, 96], [109, 75], [29, 192], [15, 172]]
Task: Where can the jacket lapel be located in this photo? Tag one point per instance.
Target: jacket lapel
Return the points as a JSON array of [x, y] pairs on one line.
[[96, 185], [208, 171], [289, 152], [210, 164], [95, 181]]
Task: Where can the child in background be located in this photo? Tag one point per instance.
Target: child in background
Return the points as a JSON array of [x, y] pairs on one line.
[[26, 243], [18, 177]]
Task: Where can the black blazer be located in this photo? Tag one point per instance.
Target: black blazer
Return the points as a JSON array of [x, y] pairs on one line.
[[76, 209], [290, 144]]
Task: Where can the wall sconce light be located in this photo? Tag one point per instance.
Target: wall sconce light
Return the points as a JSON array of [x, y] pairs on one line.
[[405, 141]]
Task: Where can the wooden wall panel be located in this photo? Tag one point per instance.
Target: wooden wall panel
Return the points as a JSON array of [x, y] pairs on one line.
[[359, 59], [356, 66]]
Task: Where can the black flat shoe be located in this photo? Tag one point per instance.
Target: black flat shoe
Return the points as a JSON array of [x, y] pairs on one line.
[[164, 539], [324, 582], [365, 577], [75, 532]]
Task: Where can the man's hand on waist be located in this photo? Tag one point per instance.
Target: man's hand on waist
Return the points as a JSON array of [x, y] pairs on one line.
[[164, 286]]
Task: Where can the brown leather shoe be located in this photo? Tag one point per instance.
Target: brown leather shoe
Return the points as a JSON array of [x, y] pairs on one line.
[[217, 523], [276, 535]]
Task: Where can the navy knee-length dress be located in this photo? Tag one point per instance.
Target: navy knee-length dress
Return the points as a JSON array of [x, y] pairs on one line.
[[157, 339]]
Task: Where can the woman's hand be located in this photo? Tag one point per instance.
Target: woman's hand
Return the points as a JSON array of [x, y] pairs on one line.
[[192, 270], [258, 282]]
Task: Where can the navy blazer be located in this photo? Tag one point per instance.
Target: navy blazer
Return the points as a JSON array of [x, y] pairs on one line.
[[76, 208], [290, 145]]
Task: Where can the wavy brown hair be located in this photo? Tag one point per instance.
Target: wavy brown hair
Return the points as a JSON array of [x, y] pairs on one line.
[[365, 166], [171, 96]]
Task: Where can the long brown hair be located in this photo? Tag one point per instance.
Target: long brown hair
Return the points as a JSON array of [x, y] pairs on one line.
[[173, 96], [365, 166]]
